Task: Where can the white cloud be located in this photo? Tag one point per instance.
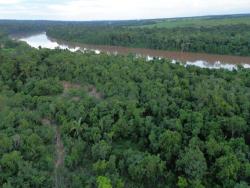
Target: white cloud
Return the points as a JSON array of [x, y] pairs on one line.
[[9, 2], [118, 9]]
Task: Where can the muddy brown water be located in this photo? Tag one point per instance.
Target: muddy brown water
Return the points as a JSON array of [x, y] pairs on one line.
[[180, 56], [199, 59]]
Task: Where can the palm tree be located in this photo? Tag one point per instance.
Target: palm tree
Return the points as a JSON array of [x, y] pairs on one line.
[[76, 128]]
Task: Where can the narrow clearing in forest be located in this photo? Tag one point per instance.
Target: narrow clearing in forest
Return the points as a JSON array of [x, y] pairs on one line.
[[59, 153], [59, 147], [59, 162]]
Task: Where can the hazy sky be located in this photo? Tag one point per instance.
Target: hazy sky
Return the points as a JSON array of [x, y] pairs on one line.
[[117, 9]]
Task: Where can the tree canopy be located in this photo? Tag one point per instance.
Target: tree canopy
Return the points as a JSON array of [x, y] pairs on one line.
[[123, 121]]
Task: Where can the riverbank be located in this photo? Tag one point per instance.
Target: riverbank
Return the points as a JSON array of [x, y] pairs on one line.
[[202, 60]]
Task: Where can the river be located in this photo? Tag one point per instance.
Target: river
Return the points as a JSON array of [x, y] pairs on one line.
[[197, 59]]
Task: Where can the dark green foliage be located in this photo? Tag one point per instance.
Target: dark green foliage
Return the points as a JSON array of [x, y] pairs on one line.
[[224, 39], [50, 86], [156, 124], [193, 163]]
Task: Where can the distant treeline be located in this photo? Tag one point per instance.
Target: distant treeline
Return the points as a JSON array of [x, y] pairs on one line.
[[219, 39], [234, 39], [27, 26]]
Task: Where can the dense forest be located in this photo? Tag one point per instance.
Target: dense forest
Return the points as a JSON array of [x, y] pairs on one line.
[[215, 34], [207, 21], [29, 26], [86, 120], [222, 39]]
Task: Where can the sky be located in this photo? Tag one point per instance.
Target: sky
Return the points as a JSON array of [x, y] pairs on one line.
[[83, 10]]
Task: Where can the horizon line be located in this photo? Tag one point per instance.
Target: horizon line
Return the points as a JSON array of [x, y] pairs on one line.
[[138, 19]]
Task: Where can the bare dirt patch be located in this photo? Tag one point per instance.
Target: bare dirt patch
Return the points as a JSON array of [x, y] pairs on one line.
[[46, 121], [90, 89], [68, 85]]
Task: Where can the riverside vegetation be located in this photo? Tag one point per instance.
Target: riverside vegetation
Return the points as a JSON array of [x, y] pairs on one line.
[[86, 120], [212, 34]]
